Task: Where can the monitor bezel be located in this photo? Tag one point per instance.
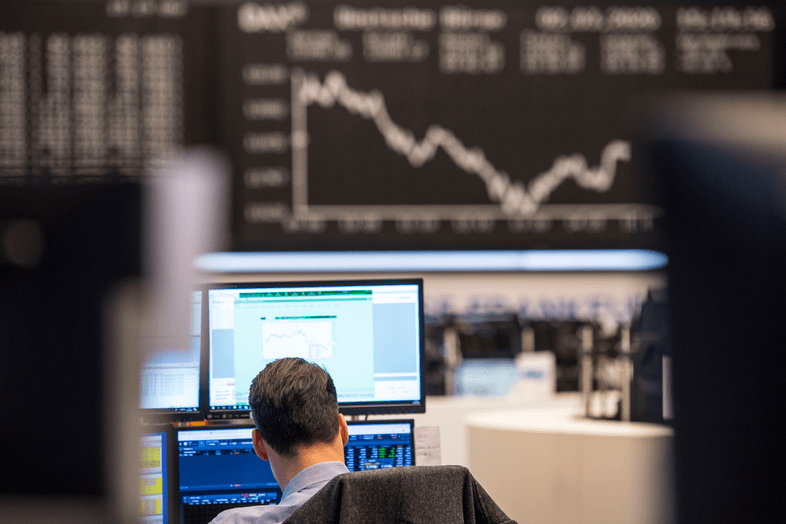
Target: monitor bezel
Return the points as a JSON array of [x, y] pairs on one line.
[[346, 408]]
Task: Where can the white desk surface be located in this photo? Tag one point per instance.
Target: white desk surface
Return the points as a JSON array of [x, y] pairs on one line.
[[561, 468], [561, 416]]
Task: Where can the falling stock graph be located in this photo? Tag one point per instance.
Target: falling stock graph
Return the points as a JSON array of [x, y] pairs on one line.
[[515, 198], [311, 340], [485, 125]]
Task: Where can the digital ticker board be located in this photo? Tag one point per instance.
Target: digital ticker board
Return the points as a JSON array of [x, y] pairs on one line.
[[372, 126]]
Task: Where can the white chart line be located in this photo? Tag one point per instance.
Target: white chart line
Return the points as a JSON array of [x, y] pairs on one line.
[[514, 198]]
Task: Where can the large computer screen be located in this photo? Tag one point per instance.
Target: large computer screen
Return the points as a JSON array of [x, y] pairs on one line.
[[367, 334], [169, 381]]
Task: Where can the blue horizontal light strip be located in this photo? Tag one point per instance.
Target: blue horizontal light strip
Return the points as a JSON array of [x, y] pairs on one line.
[[431, 261]]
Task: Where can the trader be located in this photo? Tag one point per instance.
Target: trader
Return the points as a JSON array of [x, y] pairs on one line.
[[299, 431]]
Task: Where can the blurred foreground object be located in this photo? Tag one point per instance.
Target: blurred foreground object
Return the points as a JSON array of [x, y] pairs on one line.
[[71, 315], [720, 161], [60, 388]]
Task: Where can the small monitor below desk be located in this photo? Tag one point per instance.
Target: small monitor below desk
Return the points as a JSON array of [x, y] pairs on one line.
[[219, 470], [379, 444]]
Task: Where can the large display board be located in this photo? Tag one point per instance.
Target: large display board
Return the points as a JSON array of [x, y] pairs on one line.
[[494, 124], [94, 91], [469, 124]]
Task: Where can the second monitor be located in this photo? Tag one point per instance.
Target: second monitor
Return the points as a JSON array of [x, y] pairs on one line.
[[368, 334], [219, 470]]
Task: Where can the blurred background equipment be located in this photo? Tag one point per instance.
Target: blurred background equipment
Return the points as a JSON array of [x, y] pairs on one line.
[[651, 388]]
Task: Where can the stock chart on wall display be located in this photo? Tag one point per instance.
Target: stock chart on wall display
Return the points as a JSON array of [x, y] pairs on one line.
[[169, 381], [380, 444], [154, 479], [219, 470], [355, 125], [469, 124], [366, 334]]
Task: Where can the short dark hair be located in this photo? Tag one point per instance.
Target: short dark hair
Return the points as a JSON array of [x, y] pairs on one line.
[[294, 402]]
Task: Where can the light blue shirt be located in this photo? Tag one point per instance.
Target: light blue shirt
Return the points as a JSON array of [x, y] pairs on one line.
[[301, 488]]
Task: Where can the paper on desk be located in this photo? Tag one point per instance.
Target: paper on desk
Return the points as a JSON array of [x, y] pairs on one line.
[[428, 450]]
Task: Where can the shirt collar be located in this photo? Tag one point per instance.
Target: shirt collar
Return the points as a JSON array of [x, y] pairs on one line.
[[315, 474]]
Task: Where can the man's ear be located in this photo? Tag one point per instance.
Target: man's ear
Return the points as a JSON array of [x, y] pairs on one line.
[[343, 429], [259, 444]]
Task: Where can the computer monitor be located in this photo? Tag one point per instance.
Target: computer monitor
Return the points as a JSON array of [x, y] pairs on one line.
[[156, 487], [380, 444], [489, 335], [368, 334], [169, 381], [219, 470]]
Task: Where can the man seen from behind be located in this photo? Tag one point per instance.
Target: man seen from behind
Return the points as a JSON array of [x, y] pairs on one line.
[[299, 431]]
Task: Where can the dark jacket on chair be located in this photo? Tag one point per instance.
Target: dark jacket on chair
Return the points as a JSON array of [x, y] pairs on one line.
[[411, 495]]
